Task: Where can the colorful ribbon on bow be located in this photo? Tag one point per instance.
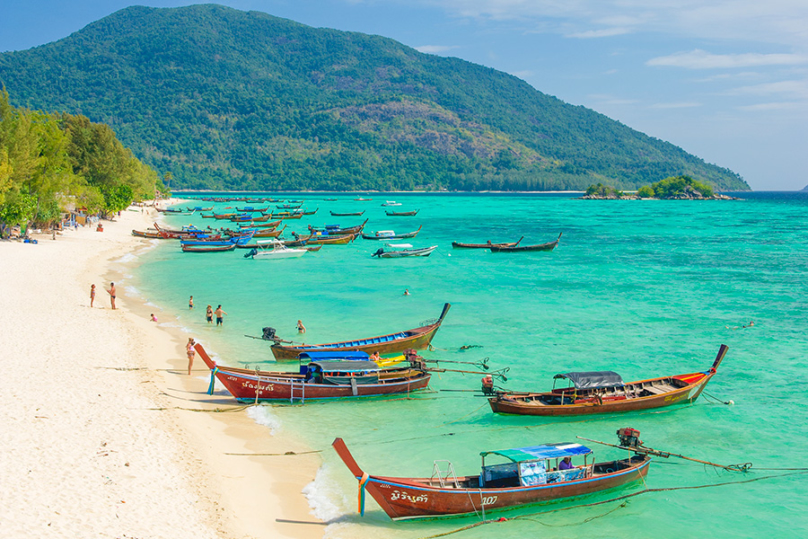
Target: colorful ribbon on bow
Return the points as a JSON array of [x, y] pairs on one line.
[[213, 372], [362, 483]]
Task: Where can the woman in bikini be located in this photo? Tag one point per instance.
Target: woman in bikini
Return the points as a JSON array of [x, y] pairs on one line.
[[191, 354]]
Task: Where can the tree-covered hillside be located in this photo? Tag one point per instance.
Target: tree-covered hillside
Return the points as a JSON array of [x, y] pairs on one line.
[[242, 100]]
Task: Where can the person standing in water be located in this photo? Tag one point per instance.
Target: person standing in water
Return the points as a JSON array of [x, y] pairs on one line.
[[191, 303], [112, 292], [92, 295], [209, 314], [191, 351], [300, 327], [219, 315]]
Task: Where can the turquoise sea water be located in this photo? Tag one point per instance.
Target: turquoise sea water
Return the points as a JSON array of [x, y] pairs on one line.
[[645, 288]]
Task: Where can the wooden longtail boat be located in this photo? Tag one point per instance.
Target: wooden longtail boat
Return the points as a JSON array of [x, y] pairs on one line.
[[272, 224], [151, 234], [285, 215], [311, 212], [402, 250], [195, 248], [314, 249], [541, 247], [250, 217], [350, 214], [605, 392], [416, 339], [331, 240], [390, 235], [252, 209], [223, 215], [199, 208], [532, 475], [317, 380], [488, 245], [204, 216], [336, 230], [401, 213]]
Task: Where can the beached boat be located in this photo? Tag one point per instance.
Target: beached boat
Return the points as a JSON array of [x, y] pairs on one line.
[[518, 248], [318, 379], [605, 392], [402, 250], [390, 235], [151, 234], [535, 474], [401, 213], [350, 214], [487, 245], [196, 248], [391, 203], [393, 343], [170, 210]]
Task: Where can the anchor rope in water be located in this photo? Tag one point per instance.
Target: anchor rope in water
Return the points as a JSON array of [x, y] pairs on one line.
[[619, 498]]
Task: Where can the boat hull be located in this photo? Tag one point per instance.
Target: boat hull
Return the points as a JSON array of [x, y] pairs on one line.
[[417, 339], [685, 395], [405, 498]]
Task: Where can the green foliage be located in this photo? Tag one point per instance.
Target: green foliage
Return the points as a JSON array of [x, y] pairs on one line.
[[645, 192], [226, 99], [676, 186], [48, 161], [604, 191], [18, 208]]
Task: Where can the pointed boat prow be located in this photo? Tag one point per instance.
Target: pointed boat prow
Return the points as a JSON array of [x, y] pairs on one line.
[[205, 357], [721, 353], [347, 458], [446, 307]]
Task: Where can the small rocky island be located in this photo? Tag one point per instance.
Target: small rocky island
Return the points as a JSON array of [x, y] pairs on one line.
[[673, 188]]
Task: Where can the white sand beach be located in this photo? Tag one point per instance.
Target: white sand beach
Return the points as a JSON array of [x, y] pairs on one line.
[[98, 437]]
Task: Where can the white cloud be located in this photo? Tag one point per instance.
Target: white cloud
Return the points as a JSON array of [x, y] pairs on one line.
[[783, 22], [435, 49], [522, 74], [699, 59], [778, 105], [606, 32], [789, 88]]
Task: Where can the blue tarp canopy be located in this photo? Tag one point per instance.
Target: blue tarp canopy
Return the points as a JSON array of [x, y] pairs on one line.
[[328, 356], [537, 452], [593, 380], [344, 366]]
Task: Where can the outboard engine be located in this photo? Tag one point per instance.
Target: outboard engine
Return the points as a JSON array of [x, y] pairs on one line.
[[378, 252], [629, 437], [488, 384], [252, 252], [269, 334]]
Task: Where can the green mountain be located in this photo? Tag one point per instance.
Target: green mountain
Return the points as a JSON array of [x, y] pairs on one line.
[[242, 100]]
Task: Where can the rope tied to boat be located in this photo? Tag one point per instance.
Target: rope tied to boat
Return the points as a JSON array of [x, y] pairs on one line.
[[213, 372], [362, 483]]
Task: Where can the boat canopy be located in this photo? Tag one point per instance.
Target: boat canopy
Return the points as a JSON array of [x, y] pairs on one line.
[[331, 356], [593, 380], [399, 245], [345, 366], [538, 452]]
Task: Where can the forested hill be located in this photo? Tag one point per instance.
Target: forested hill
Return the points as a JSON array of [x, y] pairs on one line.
[[242, 100]]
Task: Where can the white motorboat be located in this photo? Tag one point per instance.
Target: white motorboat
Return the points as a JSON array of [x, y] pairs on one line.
[[279, 250], [402, 250], [391, 203]]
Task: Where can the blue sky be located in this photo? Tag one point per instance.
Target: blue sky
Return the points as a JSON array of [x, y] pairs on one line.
[[726, 80]]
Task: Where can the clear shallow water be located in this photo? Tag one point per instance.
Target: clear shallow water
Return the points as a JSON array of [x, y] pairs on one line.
[[644, 288]]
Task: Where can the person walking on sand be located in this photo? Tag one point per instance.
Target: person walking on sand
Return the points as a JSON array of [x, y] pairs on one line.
[[300, 327], [112, 292], [92, 295], [219, 315], [209, 314], [191, 303], [191, 354]]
